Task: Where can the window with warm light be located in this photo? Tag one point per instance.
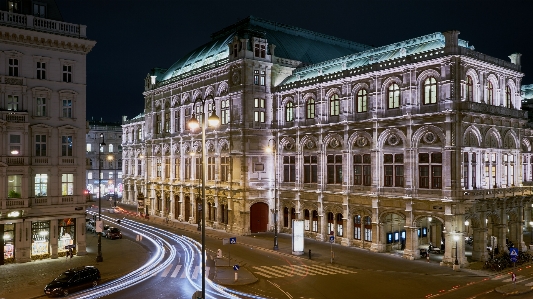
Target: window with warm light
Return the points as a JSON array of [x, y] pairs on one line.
[[15, 145], [393, 95], [289, 111], [334, 105], [41, 184], [310, 108], [430, 91], [259, 111], [362, 101], [67, 184], [14, 186]]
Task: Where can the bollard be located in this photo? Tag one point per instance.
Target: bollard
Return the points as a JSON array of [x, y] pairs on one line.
[[236, 275], [309, 253]]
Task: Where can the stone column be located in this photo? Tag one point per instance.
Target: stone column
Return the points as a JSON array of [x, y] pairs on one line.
[[411, 251], [81, 242], [479, 248]]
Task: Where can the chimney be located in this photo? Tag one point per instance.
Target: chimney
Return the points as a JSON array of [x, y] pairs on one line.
[[451, 41]]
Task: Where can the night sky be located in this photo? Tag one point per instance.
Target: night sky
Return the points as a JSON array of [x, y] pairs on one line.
[[134, 36]]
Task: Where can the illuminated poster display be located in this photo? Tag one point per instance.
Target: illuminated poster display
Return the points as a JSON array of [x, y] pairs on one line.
[[297, 237]]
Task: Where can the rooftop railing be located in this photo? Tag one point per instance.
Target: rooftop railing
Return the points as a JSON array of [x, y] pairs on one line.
[[42, 24]]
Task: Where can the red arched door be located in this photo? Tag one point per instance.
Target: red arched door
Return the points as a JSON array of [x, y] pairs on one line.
[[258, 217]]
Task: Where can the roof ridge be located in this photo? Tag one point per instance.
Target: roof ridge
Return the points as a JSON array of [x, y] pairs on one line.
[[293, 30]]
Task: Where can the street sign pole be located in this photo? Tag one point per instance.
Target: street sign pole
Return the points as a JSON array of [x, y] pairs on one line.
[[331, 240]]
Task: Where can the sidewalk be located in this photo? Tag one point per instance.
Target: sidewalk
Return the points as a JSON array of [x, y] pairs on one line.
[[27, 280]]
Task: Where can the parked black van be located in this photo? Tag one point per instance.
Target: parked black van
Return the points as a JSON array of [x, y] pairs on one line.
[[73, 280]]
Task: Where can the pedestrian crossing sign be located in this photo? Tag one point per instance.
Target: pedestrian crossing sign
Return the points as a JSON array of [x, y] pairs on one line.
[[513, 251]]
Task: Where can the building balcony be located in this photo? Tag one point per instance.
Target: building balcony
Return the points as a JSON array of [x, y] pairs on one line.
[[15, 160], [14, 203], [492, 110], [67, 161], [40, 161], [14, 116], [40, 24]]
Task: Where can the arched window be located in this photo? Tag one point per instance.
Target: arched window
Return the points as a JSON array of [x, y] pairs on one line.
[[310, 108], [339, 227], [490, 93], [334, 105], [289, 111], [110, 148], [393, 96], [362, 100], [331, 228], [368, 228], [430, 91], [469, 89], [357, 227], [508, 102], [315, 221]]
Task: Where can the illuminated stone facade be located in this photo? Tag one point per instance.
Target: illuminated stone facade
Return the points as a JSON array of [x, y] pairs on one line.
[[387, 148], [42, 119]]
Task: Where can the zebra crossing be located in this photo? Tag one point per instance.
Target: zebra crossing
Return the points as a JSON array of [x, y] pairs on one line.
[[195, 274], [508, 278], [298, 270]]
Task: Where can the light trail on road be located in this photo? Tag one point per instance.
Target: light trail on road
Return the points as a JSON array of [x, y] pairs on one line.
[[166, 244]]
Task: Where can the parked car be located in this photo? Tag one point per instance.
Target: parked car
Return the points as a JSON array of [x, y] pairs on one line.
[[113, 233], [73, 280], [90, 225]]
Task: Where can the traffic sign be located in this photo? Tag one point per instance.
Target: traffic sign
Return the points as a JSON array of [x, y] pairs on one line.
[[331, 239], [513, 251], [233, 240], [225, 241], [236, 267], [513, 277]]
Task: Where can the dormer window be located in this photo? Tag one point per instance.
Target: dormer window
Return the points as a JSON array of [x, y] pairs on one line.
[[260, 50], [39, 10]]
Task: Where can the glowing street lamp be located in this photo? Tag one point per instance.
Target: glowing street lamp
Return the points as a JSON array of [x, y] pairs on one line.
[[194, 124]]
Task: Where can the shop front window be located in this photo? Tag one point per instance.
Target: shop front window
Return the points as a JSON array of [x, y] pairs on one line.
[[9, 241], [40, 232], [67, 234]]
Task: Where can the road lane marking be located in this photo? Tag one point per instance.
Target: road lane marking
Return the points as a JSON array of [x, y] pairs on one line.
[[165, 273], [295, 269], [176, 271]]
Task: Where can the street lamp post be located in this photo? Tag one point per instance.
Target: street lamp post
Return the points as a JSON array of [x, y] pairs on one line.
[[194, 124], [111, 159], [274, 154], [456, 238], [99, 257]]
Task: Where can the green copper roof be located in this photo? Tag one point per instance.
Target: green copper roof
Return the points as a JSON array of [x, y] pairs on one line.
[[527, 91], [397, 50], [291, 42]]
